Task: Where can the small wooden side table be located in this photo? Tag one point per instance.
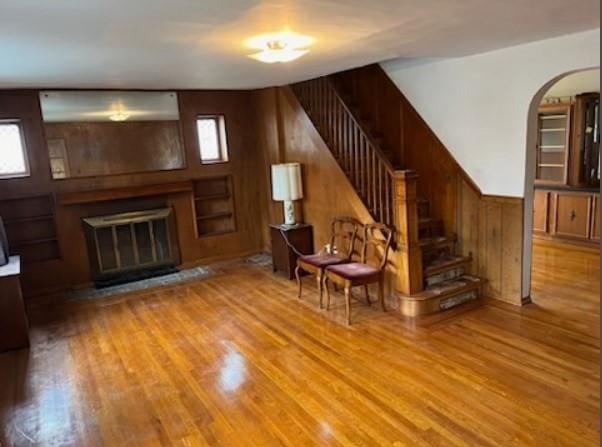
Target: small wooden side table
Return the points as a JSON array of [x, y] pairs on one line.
[[14, 330], [284, 259]]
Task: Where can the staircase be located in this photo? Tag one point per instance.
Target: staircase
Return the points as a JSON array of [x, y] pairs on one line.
[[436, 278]]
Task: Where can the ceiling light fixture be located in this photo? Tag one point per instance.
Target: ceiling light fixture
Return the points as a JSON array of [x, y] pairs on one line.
[[119, 114], [279, 47]]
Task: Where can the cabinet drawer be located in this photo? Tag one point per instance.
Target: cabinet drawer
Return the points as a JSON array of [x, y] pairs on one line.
[[572, 215]]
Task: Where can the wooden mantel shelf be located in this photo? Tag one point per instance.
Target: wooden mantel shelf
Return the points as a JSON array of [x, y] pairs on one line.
[[126, 192]]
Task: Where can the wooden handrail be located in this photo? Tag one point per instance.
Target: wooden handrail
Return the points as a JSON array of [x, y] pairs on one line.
[[359, 155], [376, 147], [389, 194]]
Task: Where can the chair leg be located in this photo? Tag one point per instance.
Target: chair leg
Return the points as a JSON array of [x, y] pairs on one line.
[[381, 294], [319, 282], [327, 292], [348, 304], [298, 276], [367, 294]]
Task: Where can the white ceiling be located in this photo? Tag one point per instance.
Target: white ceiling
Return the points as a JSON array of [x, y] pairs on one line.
[[198, 43]]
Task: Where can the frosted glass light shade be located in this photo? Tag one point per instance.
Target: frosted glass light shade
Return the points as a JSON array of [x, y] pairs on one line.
[[286, 182]]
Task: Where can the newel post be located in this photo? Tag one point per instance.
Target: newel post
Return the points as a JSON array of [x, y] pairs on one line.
[[409, 262]]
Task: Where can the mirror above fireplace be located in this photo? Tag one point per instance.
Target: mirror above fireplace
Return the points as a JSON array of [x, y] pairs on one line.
[[96, 133]]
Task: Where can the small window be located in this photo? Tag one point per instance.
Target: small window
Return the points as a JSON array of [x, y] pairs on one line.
[[13, 159], [211, 133]]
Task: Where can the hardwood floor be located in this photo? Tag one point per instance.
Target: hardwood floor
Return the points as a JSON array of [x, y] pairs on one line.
[[236, 360]]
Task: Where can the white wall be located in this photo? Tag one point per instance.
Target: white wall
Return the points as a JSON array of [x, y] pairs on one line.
[[478, 105], [576, 83]]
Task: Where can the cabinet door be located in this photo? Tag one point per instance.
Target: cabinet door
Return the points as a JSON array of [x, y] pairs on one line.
[[595, 229], [540, 211], [572, 215]]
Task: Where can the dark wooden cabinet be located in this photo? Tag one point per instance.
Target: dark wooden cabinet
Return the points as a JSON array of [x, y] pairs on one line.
[[585, 145], [284, 258]]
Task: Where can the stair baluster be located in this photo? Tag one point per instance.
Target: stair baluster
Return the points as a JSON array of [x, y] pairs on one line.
[[383, 189]]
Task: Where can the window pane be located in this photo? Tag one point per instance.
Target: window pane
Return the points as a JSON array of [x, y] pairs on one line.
[[208, 139], [12, 156]]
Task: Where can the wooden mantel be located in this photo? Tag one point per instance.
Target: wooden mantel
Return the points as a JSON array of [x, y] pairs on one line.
[[81, 197]]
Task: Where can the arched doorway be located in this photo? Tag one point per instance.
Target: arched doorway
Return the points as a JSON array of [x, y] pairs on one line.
[[533, 136]]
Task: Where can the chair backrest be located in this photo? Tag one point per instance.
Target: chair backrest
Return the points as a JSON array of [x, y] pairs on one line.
[[343, 233], [377, 241]]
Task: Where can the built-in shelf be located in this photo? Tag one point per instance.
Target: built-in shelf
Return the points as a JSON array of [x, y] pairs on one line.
[[553, 117], [214, 206], [29, 219], [216, 233], [213, 196], [31, 227], [214, 215], [34, 242], [552, 148]]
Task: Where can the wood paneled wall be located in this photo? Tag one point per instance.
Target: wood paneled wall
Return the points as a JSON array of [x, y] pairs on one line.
[[72, 270], [108, 148], [286, 134], [490, 228]]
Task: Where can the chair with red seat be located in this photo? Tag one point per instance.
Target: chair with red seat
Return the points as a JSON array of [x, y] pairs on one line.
[[343, 232], [376, 244]]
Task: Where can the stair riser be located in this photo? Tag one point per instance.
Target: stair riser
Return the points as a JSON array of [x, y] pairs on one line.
[[448, 275], [456, 300], [423, 210], [432, 229], [429, 255], [438, 304]]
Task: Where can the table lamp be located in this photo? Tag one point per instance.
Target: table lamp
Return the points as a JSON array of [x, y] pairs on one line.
[[286, 187]]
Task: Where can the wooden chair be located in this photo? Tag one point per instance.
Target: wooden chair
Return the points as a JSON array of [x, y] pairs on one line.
[[375, 247], [343, 232]]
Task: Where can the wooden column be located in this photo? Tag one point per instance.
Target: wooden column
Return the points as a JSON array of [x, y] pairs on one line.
[[409, 254]]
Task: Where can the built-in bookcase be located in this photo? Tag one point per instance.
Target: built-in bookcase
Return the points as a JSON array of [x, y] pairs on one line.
[[553, 144], [31, 227], [214, 206]]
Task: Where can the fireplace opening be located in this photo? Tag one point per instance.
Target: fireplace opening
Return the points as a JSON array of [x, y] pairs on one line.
[[131, 246]]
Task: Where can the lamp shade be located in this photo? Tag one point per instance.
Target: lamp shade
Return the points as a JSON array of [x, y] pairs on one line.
[[286, 182]]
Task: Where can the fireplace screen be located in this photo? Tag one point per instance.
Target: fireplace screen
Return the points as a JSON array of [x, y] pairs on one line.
[[127, 242]]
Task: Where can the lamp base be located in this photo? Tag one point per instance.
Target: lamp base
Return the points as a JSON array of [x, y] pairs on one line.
[[289, 212]]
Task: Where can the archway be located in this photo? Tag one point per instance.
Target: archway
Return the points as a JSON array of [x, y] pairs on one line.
[[530, 163]]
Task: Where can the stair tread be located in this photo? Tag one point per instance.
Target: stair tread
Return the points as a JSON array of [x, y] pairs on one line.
[[435, 241], [448, 288], [446, 262]]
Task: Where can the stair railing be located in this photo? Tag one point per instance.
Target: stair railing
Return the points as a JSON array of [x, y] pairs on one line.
[[389, 194]]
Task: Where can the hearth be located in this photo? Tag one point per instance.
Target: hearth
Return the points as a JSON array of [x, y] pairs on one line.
[[130, 246]]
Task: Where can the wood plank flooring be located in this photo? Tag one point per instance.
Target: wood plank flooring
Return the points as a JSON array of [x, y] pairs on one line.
[[236, 360]]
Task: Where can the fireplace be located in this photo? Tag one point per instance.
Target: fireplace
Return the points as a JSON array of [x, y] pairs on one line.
[[130, 246]]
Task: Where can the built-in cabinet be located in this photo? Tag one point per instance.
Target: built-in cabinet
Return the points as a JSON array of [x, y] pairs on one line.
[[566, 205], [571, 215], [214, 206], [553, 144]]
